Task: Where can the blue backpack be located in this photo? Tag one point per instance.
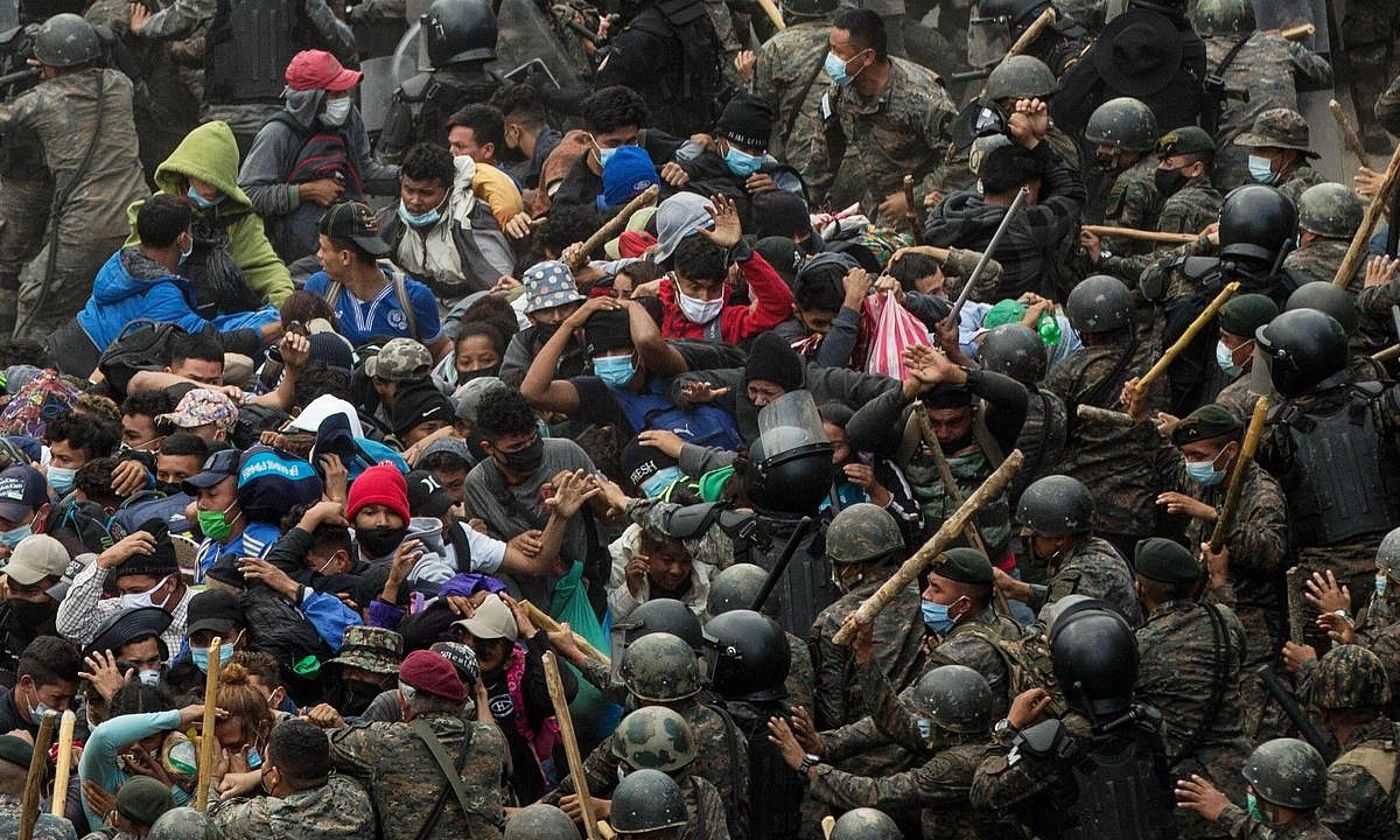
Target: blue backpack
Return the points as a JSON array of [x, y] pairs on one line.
[[702, 426]]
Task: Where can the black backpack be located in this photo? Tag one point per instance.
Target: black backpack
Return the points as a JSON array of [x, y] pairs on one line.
[[142, 345]]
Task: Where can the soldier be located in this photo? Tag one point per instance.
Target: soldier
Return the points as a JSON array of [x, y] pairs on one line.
[[1123, 133], [541, 822], [1099, 772], [865, 824], [1263, 69], [863, 545], [15, 757], [1328, 216], [1056, 515], [648, 804], [461, 41], [179, 824], [894, 113], [1017, 351], [80, 115], [1279, 152], [736, 588], [958, 610], [1027, 77], [1287, 785], [1327, 297], [1058, 45], [788, 74], [1240, 317], [1371, 33], [1191, 654], [406, 766]]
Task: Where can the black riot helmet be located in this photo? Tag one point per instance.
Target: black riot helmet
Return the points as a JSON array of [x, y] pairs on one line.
[[1056, 506], [1306, 350], [790, 469], [1256, 221], [1015, 350], [1018, 13], [1095, 658], [1326, 296], [663, 615], [1100, 303], [747, 656], [459, 30], [735, 588]]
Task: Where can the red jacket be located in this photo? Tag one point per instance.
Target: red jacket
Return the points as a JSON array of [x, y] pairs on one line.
[[772, 304]]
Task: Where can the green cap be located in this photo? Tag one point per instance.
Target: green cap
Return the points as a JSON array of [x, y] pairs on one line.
[[16, 751], [964, 565], [1243, 314], [1004, 312], [1160, 559], [1189, 140], [143, 799], [1209, 421]]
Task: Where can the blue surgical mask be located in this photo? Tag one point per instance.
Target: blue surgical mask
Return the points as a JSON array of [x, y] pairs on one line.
[[1225, 360], [836, 69], [1261, 170], [604, 155], [1252, 805], [615, 371], [1382, 581], [200, 201], [254, 758], [936, 617], [12, 537], [200, 657], [61, 479], [1204, 473], [742, 164], [661, 481], [421, 220], [185, 253]]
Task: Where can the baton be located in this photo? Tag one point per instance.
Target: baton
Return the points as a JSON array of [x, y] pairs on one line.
[[1015, 208]]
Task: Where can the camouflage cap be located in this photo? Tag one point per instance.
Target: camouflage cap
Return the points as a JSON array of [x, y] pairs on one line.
[[1278, 128], [1209, 421], [964, 565], [1166, 561], [374, 649], [400, 360], [179, 824], [654, 738], [202, 407], [1349, 677], [1188, 140]]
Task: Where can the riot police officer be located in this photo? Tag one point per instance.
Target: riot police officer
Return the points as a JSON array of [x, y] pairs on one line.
[[736, 588], [1017, 351], [1058, 44], [648, 803], [1326, 296]]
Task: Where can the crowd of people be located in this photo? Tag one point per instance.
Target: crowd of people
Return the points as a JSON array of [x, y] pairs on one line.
[[838, 420]]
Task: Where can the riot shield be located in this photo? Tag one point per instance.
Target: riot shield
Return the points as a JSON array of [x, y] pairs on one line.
[[789, 422], [526, 35], [9, 14]]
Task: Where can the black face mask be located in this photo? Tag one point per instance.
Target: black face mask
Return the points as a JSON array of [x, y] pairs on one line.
[[33, 617], [1168, 181], [168, 488], [527, 460], [352, 697], [544, 332], [464, 378], [380, 542]]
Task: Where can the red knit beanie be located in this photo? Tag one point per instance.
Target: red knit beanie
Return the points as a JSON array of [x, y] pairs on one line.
[[381, 484]]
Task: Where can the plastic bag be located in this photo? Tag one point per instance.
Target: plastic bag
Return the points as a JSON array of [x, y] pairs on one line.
[[895, 329]]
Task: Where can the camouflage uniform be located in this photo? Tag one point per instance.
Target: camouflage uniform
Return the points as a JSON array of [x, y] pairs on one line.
[[1284, 128], [404, 780], [1132, 202], [1188, 210], [1320, 259], [48, 826], [1042, 440], [786, 62], [1093, 568], [1240, 396], [802, 677], [973, 643], [1359, 801], [1371, 32], [1241, 825], [338, 810], [1299, 180], [1388, 107]]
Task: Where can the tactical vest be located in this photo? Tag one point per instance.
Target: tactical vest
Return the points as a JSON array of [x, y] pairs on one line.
[[250, 43], [1342, 479], [1378, 762], [1124, 790]]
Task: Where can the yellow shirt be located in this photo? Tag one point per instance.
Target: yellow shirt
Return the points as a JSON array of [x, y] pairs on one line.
[[496, 188]]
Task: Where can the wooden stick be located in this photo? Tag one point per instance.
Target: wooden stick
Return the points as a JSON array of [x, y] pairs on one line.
[[613, 225], [1032, 32], [771, 10], [916, 218], [1106, 416], [1159, 236], [1380, 203], [1226, 520], [1299, 32], [1186, 337], [64, 768], [207, 741], [828, 826], [571, 753], [542, 620], [910, 570], [1349, 135], [1388, 354], [34, 782], [1294, 579]]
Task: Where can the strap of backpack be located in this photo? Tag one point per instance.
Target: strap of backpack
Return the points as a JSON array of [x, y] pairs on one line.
[[401, 292], [429, 738], [802, 97], [333, 293]]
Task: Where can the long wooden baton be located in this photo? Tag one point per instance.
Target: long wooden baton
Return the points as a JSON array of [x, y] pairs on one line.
[[1170, 354], [1380, 202], [571, 753], [828, 826], [207, 741], [1388, 354], [615, 224], [1032, 32], [1159, 236], [1299, 32], [64, 768], [916, 218], [1011, 213], [541, 619], [1106, 416], [1349, 135], [34, 782], [1226, 520], [910, 569], [773, 14]]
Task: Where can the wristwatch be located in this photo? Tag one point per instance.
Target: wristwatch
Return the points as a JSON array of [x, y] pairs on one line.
[[808, 762], [1003, 729]]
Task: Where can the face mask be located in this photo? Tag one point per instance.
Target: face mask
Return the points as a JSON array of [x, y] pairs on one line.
[[149, 677], [37, 710], [699, 311], [1168, 181], [422, 220], [464, 378], [142, 599], [936, 617], [33, 616], [615, 371], [1252, 805], [604, 155], [661, 482], [741, 164], [526, 460], [1261, 169], [12, 537], [168, 488], [1225, 360], [1204, 473], [1381, 583], [185, 253], [336, 111], [200, 201], [353, 697], [836, 69], [254, 758], [215, 524], [200, 657], [844, 586], [380, 542], [1104, 163], [61, 479]]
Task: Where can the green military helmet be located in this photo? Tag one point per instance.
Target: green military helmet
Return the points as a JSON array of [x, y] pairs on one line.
[[179, 824], [661, 668], [67, 40], [1020, 77], [1125, 123], [735, 588], [863, 533], [1224, 17], [866, 824], [1329, 298], [1016, 351], [1099, 304], [1330, 210], [1388, 555], [1287, 772], [1349, 677], [647, 800], [803, 9], [541, 822], [956, 698], [1056, 506], [654, 738]]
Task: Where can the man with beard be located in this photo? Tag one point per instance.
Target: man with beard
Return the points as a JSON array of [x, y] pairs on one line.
[[33, 586]]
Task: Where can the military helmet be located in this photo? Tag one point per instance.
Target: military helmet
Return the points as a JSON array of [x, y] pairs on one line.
[[179, 824], [1016, 351], [541, 822], [1388, 555], [1288, 773], [1056, 506], [1330, 210], [662, 615], [1224, 17], [1020, 77], [809, 8], [1305, 348], [1349, 677], [1125, 123], [67, 40], [1326, 296], [1256, 221], [735, 588], [1017, 12], [1095, 658], [647, 800], [654, 738], [459, 30], [747, 655], [1099, 304], [661, 668], [795, 480], [866, 824], [956, 698], [863, 533]]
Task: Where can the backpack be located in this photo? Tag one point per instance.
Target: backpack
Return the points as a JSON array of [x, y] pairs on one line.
[[399, 279], [41, 399], [705, 425], [142, 345], [323, 154], [1027, 661]]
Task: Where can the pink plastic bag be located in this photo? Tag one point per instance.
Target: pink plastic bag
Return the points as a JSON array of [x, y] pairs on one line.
[[894, 329]]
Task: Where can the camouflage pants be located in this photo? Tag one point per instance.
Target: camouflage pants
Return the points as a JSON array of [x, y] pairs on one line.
[[50, 295], [1371, 32], [23, 216]]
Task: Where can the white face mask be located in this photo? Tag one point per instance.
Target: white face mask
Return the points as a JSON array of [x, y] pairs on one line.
[[142, 599], [336, 111], [699, 311]]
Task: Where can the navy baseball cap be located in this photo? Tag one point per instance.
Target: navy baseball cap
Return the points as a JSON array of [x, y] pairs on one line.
[[23, 490], [218, 467]]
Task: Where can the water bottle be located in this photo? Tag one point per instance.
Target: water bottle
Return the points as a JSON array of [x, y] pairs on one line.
[[1049, 328]]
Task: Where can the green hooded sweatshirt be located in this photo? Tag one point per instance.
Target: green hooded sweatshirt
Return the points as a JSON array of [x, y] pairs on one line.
[[210, 154]]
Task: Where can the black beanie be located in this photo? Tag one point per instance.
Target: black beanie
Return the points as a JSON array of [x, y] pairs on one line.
[[608, 329], [419, 403], [747, 122], [163, 562], [771, 358]]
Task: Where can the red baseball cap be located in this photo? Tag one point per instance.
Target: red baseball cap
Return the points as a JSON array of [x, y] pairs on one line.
[[319, 70]]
